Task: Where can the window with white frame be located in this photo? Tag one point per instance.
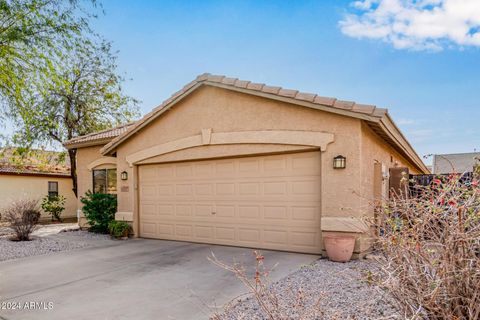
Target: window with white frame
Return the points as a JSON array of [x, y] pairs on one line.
[[105, 181]]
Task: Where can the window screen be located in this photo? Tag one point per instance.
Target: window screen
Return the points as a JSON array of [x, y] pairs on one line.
[[52, 189], [105, 181]]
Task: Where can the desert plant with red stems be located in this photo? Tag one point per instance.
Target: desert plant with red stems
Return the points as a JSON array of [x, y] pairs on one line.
[[430, 249]]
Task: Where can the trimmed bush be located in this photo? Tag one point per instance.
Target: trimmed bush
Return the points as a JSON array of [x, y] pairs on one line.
[[23, 216], [119, 229], [99, 209], [54, 206]]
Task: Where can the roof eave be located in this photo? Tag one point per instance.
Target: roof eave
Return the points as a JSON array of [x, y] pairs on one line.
[[391, 129], [110, 147], [36, 174], [92, 143]]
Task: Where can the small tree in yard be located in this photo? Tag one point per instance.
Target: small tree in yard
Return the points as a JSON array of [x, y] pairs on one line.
[[82, 94], [54, 205], [99, 209], [22, 217], [431, 250]]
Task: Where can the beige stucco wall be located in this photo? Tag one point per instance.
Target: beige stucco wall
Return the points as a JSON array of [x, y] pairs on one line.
[[375, 150], [87, 159], [346, 193], [14, 187], [227, 111]]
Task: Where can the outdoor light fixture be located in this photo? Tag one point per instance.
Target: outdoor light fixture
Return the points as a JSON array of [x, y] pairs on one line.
[[339, 162], [124, 175]]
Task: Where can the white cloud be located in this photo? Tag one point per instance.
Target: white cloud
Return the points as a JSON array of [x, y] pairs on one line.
[[415, 24], [406, 122]]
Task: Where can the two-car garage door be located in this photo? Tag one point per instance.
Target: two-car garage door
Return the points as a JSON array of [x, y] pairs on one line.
[[270, 202]]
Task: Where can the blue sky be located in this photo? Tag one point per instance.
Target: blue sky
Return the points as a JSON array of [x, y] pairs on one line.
[[431, 85]]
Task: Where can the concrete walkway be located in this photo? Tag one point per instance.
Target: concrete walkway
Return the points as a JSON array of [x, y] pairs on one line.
[[43, 230], [134, 279], [54, 228]]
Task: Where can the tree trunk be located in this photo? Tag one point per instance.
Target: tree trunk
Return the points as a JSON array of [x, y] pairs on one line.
[[72, 154]]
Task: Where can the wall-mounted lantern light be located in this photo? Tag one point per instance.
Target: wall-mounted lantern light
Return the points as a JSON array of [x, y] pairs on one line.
[[124, 175], [339, 162]]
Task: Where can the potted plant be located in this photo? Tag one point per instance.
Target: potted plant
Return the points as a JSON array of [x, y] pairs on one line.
[[339, 247], [119, 229]]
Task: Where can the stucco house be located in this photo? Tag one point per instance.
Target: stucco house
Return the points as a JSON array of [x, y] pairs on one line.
[[32, 180], [232, 162]]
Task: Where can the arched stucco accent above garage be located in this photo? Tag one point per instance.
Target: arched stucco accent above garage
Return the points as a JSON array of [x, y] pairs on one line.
[[207, 137]]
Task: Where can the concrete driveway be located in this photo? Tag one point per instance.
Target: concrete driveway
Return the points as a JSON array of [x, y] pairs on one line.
[[135, 279]]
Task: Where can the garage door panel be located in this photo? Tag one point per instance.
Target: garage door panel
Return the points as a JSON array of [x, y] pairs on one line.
[[304, 238], [148, 192], [225, 234], [272, 236], [275, 165], [270, 202], [225, 169], [225, 211], [249, 212], [165, 190], [204, 189], [166, 209], [149, 228], [184, 230], [148, 209], [225, 189], [166, 230], [183, 210], [204, 210], [275, 212], [149, 174], [249, 235], [305, 213], [164, 172], [203, 169], [184, 190], [248, 167], [204, 232]]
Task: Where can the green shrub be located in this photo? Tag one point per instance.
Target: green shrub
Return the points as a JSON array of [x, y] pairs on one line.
[[54, 206], [99, 209], [119, 229]]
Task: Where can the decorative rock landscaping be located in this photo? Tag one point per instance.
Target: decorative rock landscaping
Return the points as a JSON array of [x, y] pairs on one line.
[[340, 289], [46, 242]]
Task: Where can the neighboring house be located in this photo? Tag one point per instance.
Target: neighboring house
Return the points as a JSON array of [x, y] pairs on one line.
[[232, 162], [455, 162], [35, 180]]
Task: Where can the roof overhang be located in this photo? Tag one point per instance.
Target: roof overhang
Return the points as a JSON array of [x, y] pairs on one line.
[[36, 174], [92, 143], [377, 118]]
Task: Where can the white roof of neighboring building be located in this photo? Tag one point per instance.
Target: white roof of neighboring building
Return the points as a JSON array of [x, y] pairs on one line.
[[455, 162]]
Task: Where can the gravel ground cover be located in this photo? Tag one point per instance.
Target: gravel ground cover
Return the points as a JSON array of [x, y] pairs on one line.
[[62, 241], [340, 289]]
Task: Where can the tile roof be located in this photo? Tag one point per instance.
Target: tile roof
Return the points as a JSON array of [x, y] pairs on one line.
[[377, 118], [104, 135], [34, 170], [33, 162], [332, 104]]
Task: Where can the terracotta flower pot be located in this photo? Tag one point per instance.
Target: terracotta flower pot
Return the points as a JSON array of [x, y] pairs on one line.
[[339, 248]]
